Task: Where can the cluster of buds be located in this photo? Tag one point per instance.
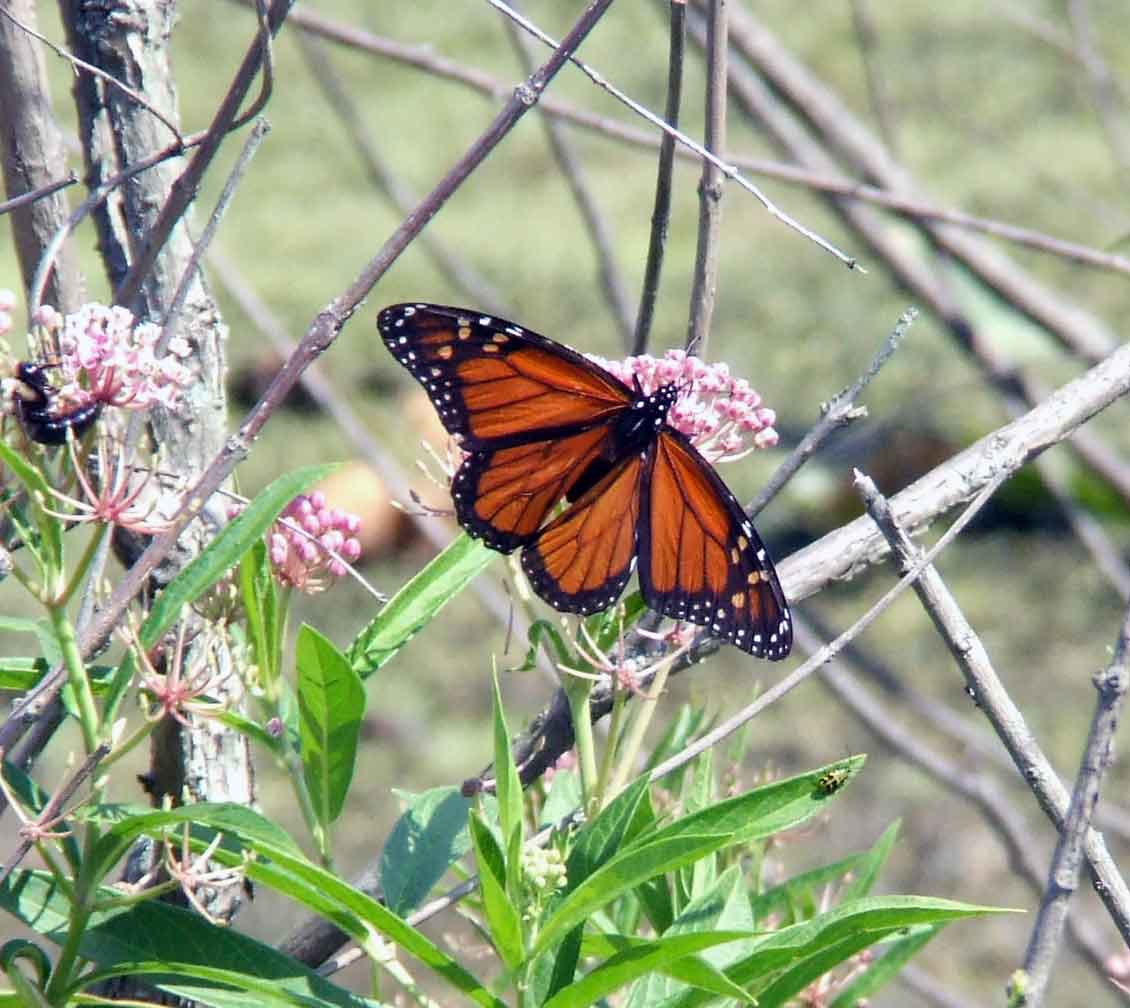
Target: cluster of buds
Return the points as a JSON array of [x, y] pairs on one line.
[[543, 870], [312, 543], [106, 356], [722, 415]]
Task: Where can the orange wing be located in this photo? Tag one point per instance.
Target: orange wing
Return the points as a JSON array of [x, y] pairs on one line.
[[502, 495], [495, 383], [700, 558], [582, 559]]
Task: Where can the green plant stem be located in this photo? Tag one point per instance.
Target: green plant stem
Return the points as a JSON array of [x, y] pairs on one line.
[[79, 575], [577, 689], [81, 907], [76, 673], [139, 736], [639, 727], [615, 723]]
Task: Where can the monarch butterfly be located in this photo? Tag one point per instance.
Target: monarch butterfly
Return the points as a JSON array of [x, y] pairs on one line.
[[38, 411], [540, 423]]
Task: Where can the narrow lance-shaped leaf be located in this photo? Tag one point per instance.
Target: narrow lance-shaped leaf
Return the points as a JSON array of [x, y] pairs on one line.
[[225, 551], [331, 704]]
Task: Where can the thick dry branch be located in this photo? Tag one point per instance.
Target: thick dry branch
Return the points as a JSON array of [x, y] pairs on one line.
[[990, 695], [1063, 874]]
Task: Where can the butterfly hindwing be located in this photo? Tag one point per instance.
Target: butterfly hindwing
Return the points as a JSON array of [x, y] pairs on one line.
[[492, 381], [700, 558], [582, 559], [504, 495]]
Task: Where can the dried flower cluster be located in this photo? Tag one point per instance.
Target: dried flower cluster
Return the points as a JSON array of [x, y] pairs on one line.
[[721, 414]]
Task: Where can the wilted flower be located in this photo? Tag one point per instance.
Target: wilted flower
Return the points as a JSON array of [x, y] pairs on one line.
[[311, 543], [722, 415]]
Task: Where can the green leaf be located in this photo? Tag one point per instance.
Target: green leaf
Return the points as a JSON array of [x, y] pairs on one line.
[[284, 868], [763, 811], [331, 705], [639, 959], [260, 596], [870, 865], [428, 838], [508, 789], [601, 838], [543, 631], [50, 529], [828, 939], [225, 551], [564, 796], [622, 873], [235, 821], [786, 900], [154, 938], [503, 922], [885, 969], [418, 603], [724, 908]]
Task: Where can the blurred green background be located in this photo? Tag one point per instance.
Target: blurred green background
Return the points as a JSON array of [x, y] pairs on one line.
[[989, 115]]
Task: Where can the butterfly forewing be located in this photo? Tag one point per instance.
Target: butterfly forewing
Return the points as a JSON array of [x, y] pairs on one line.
[[700, 558], [504, 495], [494, 382], [582, 559]]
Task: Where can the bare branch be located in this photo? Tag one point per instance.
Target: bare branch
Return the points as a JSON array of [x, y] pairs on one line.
[[728, 170], [838, 413], [460, 274], [98, 72], [1063, 874], [661, 211], [828, 181], [990, 695], [186, 186], [27, 198], [33, 156], [596, 223], [235, 176], [710, 188], [976, 787]]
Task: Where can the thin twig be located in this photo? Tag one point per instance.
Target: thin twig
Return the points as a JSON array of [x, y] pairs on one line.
[[183, 191], [833, 415], [661, 211], [460, 274], [24, 199], [1063, 873], [728, 170], [990, 696], [978, 788], [53, 807], [235, 176], [915, 208], [321, 333], [101, 74], [710, 188], [596, 223]]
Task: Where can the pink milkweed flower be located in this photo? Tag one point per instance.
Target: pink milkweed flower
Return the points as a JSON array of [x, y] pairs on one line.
[[722, 415], [106, 356], [311, 543]]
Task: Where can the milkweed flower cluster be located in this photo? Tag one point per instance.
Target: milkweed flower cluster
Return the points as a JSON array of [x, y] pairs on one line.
[[105, 355], [309, 543], [722, 415]]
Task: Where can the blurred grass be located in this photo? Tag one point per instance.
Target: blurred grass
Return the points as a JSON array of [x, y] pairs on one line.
[[990, 119]]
